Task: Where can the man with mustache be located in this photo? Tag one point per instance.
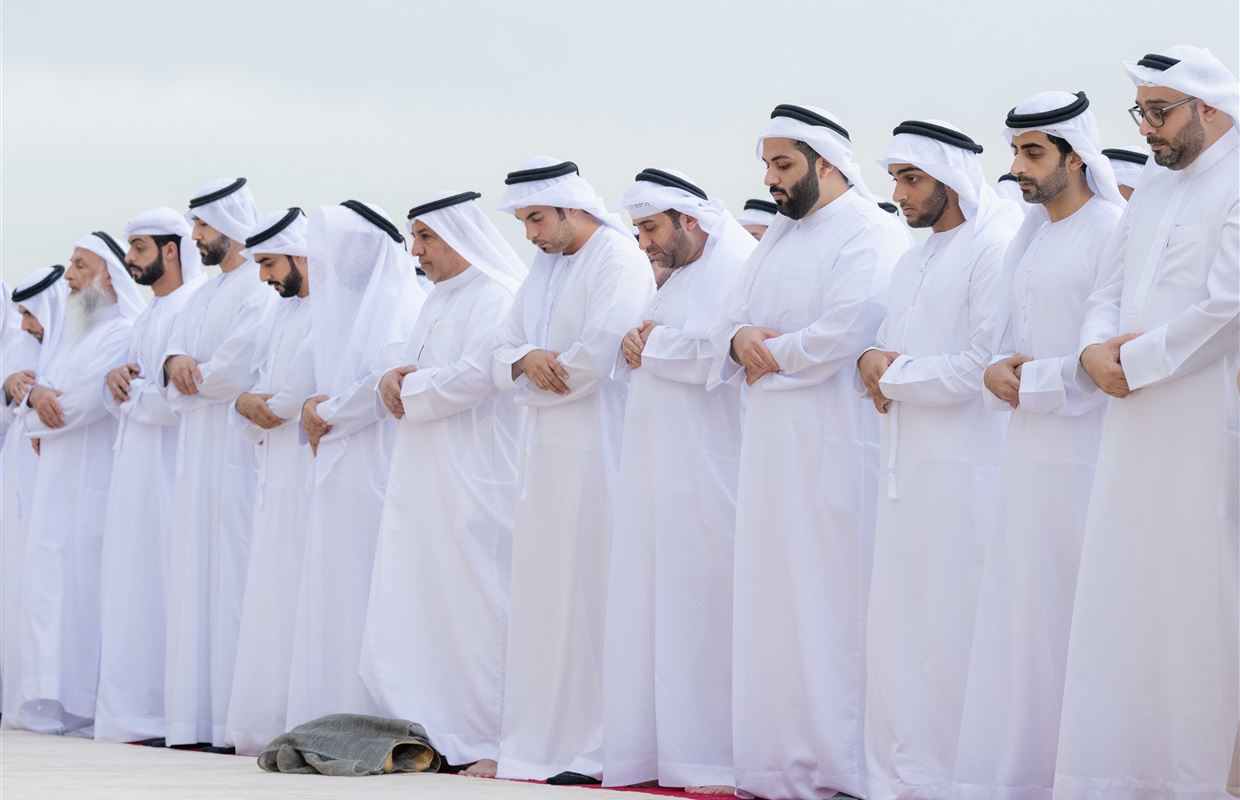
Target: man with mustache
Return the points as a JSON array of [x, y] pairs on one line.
[[939, 458], [558, 346], [447, 512], [268, 413], [138, 524], [39, 302], [1046, 467], [210, 360], [1150, 693], [808, 300], [66, 419], [667, 687]]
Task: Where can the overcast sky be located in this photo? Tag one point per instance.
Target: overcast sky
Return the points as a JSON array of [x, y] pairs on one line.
[[110, 108]]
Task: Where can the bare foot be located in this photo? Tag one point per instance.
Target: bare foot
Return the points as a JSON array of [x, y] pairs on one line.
[[483, 768], [728, 790]]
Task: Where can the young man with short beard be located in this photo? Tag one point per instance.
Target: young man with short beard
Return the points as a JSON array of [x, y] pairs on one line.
[[268, 413], [1150, 692], [939, 459], [1047, 462], [138, 524], [805, 304], [210, 361], [73, 433]]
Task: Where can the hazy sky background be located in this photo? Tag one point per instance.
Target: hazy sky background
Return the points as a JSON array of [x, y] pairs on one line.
[[110, 108]]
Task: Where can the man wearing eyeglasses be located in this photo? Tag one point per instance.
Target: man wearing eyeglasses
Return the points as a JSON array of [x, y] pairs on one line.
[[1150, 694]]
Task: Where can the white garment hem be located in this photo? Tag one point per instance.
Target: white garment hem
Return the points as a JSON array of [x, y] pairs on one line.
[[1067, 788], [128, 729]]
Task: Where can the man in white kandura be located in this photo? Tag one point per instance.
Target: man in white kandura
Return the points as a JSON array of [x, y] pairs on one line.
[[66, 420], [667, 655], [366, 299], [40, 304], [268, 414], [447, 516], [559, 345], [757, 216], [138, 526], [808, 300], [939, 464], [210, 361], [1025, 603], [1150, 693], [1127, 163]]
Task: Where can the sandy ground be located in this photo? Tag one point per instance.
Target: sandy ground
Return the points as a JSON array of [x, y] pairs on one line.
[[33, 767]]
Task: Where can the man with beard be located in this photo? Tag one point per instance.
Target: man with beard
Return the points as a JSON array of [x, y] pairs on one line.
[[667, 686], [1150, 694], [268, 414], [39, 302], [447, 514], [366, 299], [806, 303], [558, 346], [210, 361], [756, 217], [73, 434], [1025, 603], [138, 524], [939, 459]]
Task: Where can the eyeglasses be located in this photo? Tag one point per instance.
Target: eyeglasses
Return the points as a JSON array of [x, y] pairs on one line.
[[1155, 116]]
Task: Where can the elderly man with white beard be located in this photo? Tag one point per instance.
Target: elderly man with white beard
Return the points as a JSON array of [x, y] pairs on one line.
[[138, 524], [268, 413], [39, 302], [366, 299], [73, 433], [210, 361], [447, 515], [667, 686]]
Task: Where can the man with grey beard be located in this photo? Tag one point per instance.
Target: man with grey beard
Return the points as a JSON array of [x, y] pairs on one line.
[[71, 430]]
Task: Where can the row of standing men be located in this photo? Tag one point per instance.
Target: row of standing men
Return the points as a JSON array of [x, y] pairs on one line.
[[828, 511]]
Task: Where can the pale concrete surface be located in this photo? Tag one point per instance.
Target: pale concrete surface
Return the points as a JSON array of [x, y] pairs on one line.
[[35, 767]]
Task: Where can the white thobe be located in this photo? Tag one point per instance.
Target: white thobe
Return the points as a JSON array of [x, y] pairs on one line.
[[349, 476], [136, 530], [18, 464], [60, 571], [259, 704], [579, 306], [936, 507], [1150, 693], [446, 534], [212, 504], [667, 656], [804, 506], [1010, 719]]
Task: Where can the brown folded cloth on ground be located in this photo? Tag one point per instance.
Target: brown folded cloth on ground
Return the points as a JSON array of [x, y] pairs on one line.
[[351, 745]]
